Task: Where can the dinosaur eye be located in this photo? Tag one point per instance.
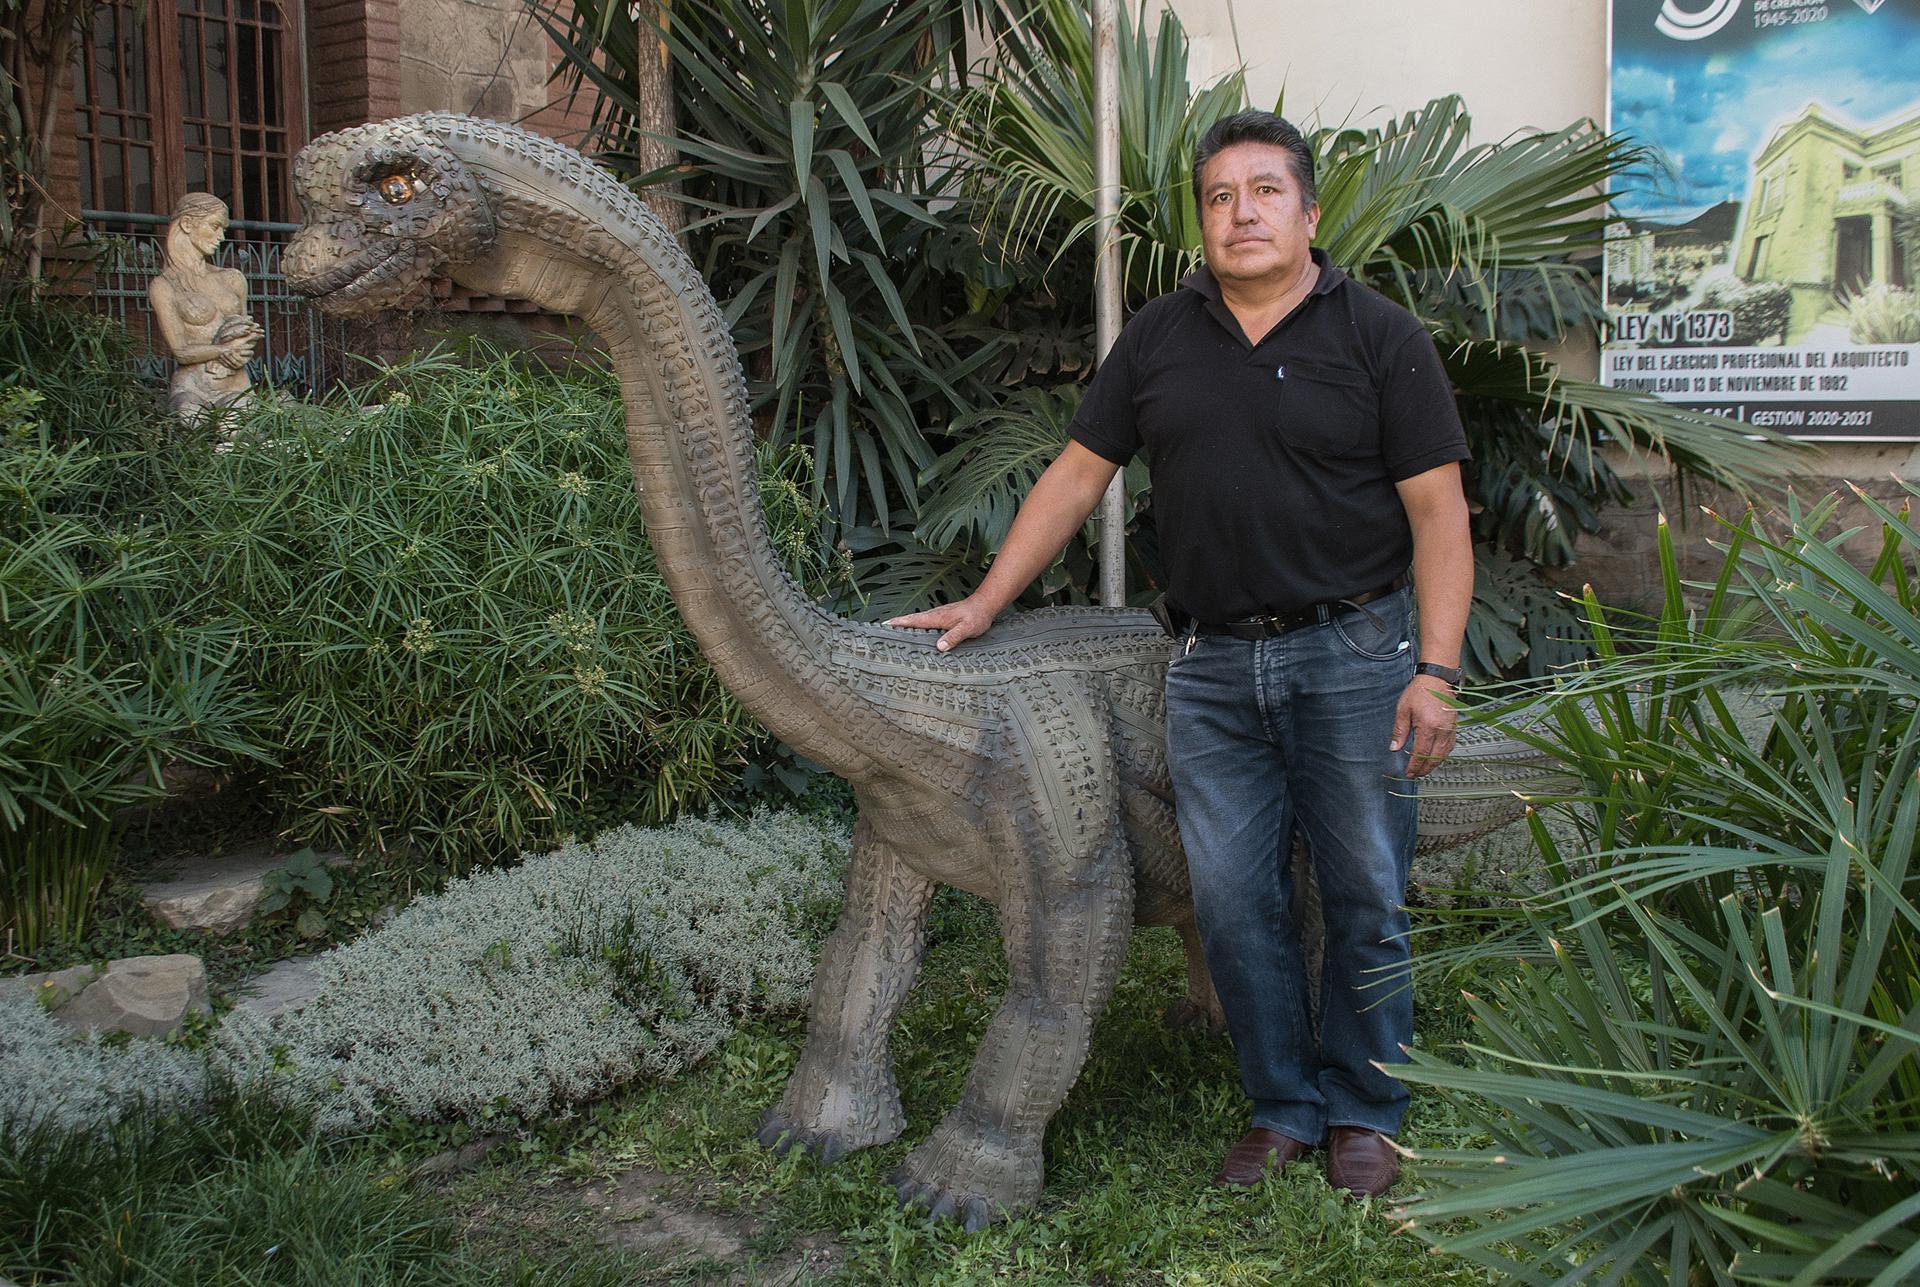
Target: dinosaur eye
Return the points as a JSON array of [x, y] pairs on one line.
[[396, 189]]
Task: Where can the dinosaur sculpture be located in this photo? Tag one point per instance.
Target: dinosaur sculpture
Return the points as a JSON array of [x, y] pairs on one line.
[[1027, 767]]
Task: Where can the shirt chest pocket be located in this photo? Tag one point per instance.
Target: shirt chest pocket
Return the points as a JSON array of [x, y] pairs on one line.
[[1327, 410]]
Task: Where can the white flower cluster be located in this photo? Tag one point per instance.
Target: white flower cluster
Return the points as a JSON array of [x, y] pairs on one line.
[[69, 1084], [513, 992]]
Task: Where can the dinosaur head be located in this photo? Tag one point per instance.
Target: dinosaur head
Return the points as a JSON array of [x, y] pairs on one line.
[[388, 206]]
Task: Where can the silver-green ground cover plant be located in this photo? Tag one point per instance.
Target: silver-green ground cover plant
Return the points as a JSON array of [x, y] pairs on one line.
[[515, 992]]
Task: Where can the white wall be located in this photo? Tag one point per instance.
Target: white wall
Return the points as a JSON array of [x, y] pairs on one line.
[[1518, 63]]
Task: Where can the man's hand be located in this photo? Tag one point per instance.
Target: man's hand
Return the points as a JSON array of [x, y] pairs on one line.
[[1426, 715], [1053, 511], [961, 621]]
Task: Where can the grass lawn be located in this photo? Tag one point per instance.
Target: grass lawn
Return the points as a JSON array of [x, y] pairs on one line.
[[1128, 1157], [664, 1184]]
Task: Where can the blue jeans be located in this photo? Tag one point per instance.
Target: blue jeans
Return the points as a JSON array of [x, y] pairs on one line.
[[1261, 737]]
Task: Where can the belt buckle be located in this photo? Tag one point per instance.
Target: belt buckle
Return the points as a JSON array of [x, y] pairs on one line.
[[1278, 624]]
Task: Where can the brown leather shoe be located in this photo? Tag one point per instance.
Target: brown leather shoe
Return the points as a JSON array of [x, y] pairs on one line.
[[1259, 1152], [1361, 1161]]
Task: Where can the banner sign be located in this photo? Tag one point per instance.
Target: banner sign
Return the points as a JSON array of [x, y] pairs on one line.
[[1767, 267]]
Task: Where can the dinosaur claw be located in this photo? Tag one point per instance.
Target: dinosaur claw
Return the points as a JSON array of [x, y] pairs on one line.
[[978, 1215], [775, 1133], [779, 1135]]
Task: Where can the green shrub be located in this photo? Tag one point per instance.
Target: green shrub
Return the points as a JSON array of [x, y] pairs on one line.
[[449, 605], [1884, 315], [1759, 308], [110, 666], [1707, 1066]]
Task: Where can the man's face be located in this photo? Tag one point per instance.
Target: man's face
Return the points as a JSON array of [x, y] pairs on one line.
[[1253, 225]]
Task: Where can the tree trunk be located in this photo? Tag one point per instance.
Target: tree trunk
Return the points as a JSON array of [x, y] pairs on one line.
[[653, 91]]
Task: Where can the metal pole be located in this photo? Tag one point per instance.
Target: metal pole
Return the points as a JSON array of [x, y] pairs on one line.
[[1106, 273]]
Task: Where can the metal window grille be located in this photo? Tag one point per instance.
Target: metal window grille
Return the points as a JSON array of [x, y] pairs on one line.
[[178, 96]]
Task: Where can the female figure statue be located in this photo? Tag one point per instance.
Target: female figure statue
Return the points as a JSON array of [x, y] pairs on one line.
[[202, 311]]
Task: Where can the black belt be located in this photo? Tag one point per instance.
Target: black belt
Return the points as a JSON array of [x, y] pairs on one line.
[[1280, 623]]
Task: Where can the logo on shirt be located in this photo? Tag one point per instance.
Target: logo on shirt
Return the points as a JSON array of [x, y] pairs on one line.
[[1678, 22]]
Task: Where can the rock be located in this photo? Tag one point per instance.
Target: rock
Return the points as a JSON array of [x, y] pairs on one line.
[[53, 989], [147, 996], [284, 988], [456, 1161], [220, 894]]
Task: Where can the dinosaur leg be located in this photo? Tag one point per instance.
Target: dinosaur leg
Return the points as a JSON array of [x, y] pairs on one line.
[[1200, 1008], [841, 1095], [1066, 910]]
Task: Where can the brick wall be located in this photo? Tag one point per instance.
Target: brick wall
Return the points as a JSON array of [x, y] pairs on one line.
[[353, 61]]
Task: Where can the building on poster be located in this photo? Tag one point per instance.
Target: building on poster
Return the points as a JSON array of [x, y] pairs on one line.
[[1766, 266]]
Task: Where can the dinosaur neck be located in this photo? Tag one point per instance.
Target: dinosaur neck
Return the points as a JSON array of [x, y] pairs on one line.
[[582, 245]]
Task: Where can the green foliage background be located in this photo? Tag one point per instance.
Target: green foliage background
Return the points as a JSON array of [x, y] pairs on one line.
[[1706, 1067], [436, 616]]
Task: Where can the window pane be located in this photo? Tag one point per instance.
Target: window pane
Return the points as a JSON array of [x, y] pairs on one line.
[[246, 59], [270, 76], [134, 53], [193, 92], [140, 177], [214, 38], [106, 46], [113, 186], [196, 172], [254, 186]]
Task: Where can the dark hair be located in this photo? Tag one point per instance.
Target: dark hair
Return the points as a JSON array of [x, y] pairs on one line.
[[1257, 127]]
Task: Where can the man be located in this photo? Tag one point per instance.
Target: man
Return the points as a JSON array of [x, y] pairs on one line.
[[1305, 453]]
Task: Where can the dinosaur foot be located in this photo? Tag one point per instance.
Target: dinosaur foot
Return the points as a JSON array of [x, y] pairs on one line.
[[1189, 1015], [841, 1123], [974, 1180]]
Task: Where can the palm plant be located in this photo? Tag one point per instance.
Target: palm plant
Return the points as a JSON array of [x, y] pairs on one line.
[[111, 669], [1032, 128], [809, 169], [1483, 242], [1711, 1072]]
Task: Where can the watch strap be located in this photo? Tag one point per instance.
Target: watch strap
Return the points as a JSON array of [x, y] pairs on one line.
[[1452, 674]]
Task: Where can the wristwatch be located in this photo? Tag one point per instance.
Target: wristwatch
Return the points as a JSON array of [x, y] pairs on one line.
[[1452, 674]]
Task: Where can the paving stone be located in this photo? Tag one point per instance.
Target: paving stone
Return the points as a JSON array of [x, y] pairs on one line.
[[219, 894], [148, 996], [286, 987]]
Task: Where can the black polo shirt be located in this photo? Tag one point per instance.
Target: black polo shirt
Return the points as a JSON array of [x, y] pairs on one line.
[[1274, 463]]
